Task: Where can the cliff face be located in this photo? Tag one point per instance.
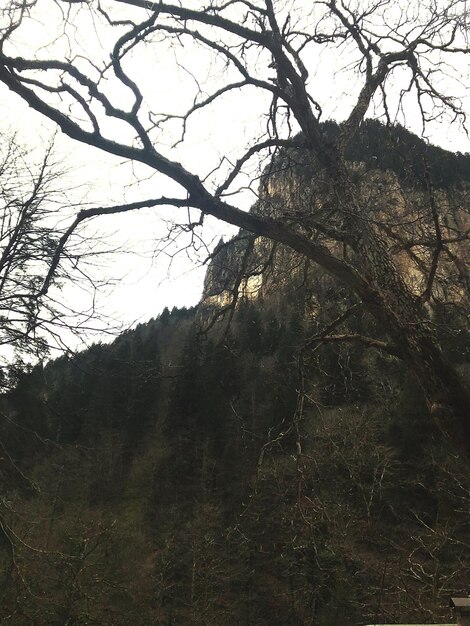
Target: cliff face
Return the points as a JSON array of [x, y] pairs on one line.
[[234, 267], [424, 223]]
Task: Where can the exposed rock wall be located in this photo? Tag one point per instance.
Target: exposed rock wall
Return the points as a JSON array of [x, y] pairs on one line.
[[415, 221]]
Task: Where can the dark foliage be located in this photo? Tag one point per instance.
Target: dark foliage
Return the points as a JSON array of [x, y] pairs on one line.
[[388, 148], [246, 476]]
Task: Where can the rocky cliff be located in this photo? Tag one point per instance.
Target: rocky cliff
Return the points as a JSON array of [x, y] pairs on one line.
[[416, 195]]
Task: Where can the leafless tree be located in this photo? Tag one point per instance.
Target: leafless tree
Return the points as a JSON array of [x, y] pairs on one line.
[[29, 202], [397, 53], [37, 266]]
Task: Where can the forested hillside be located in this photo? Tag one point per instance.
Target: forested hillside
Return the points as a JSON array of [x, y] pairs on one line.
[[229, 464]]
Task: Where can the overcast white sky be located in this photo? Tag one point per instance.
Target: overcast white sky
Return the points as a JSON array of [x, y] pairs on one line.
[[144, 287]]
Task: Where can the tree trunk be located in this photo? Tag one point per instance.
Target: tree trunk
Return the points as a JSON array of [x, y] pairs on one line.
[[407, 322]]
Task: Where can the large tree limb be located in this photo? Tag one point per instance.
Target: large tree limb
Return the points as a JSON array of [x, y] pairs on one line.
[[202, 17], [198, 196], [370, 342], [87, 214]]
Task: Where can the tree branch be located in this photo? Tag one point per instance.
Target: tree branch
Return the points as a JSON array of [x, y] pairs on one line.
[[382, 346], [87, 214]]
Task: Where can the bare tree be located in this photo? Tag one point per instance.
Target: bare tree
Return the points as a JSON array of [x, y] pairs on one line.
[[29, 198], [398, 53], [37, 266]]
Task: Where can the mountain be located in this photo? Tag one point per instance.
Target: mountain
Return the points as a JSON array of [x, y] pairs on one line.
[[398, 177], [223, 465]]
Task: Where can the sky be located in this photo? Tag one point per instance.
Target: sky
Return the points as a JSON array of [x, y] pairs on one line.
[[141, 283]]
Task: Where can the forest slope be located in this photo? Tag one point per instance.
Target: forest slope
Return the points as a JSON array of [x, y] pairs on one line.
[[247, 473]]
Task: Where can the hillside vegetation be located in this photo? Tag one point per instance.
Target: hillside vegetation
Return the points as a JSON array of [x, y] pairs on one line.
[[222, 465]]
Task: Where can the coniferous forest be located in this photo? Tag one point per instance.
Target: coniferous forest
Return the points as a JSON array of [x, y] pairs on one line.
[[226, 465]]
